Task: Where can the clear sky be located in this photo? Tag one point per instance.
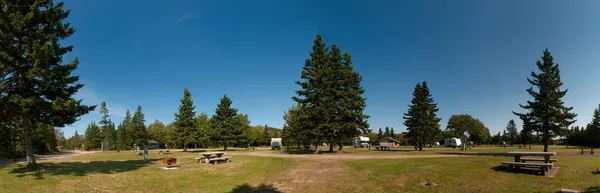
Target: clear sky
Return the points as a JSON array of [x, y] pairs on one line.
[[475, 55]]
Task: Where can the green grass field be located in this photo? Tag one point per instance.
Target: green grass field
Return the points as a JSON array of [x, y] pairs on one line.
[[126, 172]]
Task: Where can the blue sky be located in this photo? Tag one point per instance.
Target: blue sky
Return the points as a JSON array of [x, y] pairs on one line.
[[475, 55]]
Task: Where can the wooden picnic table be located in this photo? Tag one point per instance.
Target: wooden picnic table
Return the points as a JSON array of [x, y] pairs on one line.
[[206, 155], [517, 155]]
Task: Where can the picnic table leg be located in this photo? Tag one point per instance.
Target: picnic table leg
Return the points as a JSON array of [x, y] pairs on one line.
[[517, 159], [206, 160]]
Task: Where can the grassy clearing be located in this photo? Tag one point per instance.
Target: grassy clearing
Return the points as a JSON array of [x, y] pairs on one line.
[[126, 172]]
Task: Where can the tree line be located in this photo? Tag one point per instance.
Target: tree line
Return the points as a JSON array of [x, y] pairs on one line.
[[225, 128]]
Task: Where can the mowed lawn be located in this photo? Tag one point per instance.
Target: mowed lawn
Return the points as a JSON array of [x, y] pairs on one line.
[[126, 172]]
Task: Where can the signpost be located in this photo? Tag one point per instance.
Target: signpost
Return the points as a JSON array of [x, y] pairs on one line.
[[145, 153]]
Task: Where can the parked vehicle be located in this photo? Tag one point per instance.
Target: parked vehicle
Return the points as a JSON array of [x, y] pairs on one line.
[[275, 143], [452, 142], [360, 142]]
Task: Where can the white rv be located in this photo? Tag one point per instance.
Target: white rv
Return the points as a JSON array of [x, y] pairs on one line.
[[360, 142], [276, 143], [452, 142]]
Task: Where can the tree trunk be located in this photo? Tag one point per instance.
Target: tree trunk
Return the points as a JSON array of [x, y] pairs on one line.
[[28, 146], [340, 147], [421, 146], [185, 146], [330, 146], [225, 145], [317, 149]]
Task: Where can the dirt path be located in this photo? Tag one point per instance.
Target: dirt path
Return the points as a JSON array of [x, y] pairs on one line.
[[341, 156], [46, 158]]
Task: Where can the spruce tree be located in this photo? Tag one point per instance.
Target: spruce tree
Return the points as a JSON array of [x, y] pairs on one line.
[[392, 135], [594, 128], [139, 133], [313, 93], [379, 134], [36, 86], [512, 132], [224, 122], [107, 127], [387, 132], [421, 120], [185, 122], [124, 140], [266, 135], [93, 139], [547, 113]]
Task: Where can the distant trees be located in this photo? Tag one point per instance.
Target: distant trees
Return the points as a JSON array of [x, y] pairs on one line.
[[546, 113], [459, 124], [512, 132], [36, 87], [138, 127], [156, 131], [421, 120], [93, 138], [586, 136], [107, 133]]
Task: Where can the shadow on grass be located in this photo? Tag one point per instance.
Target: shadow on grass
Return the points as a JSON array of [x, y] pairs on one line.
[[504, 168], [263, 188], [475, 154], [79, 168]]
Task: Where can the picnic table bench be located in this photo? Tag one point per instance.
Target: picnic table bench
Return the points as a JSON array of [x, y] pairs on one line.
[[591, 150], [208, 157], [522, 162]]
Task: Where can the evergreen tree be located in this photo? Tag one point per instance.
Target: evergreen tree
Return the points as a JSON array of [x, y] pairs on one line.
[[224, 122], [546, 113], [347, 102], [123, 136], [36, 87], [512, 132], [107, 131], [387, 132], [93, 139], [203, 127], [380, 134], [294, 132], [185, 122], [266, 135], [594, 128], [139, 133], [314, 94], [392, 135], [421, 120]]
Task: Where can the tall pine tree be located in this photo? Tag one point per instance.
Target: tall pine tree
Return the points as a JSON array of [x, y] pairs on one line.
[[421, 120], [139, 133], [124, 140], [226, 126], [313, 93], [185, 122], [107, 127], [547, 113], [511, 128], [594, 128], [36, 87]]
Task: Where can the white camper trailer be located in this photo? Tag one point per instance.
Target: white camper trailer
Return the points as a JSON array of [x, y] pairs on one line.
[[276, 143], [452, 142], [360, 142]]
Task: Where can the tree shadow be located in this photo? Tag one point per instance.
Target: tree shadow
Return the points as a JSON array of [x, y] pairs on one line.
[[79, 168], [262, 188], [522, 170], [595, 189], [475, 154]]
